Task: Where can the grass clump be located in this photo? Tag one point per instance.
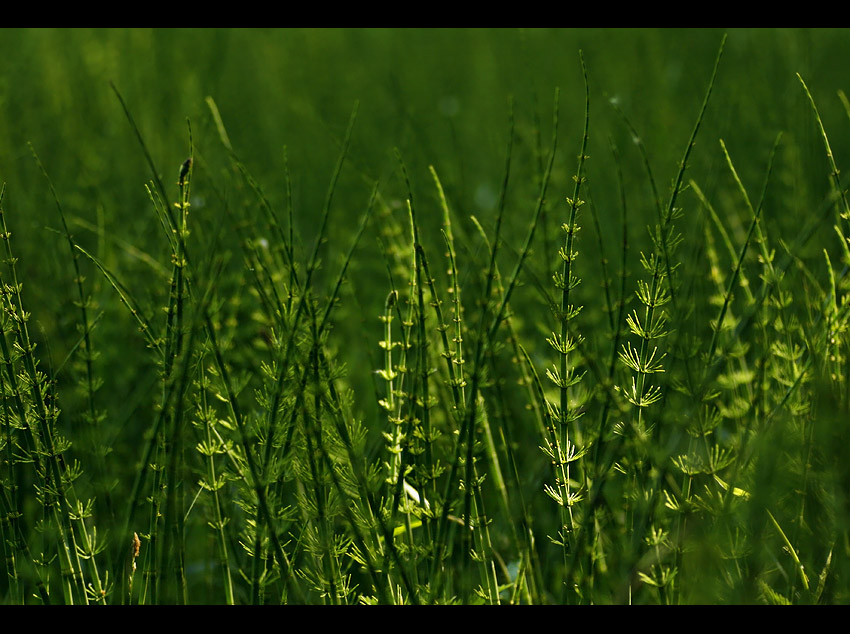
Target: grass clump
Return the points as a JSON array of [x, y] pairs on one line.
[[419, 381]]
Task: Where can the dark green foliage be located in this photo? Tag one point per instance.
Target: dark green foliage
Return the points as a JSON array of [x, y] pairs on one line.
[[450, 351]]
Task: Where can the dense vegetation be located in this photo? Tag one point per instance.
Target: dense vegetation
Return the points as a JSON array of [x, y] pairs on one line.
[[424, 316]]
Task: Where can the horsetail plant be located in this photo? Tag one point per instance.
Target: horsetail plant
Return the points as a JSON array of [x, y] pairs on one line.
[[467, 425], [90, 384], [66, 516], [646, 361], [562, 415]]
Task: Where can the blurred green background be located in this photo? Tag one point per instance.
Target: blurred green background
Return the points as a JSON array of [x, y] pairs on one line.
[[438, 95]]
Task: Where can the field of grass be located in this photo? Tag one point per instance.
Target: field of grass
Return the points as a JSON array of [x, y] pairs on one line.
[[425, 316]]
